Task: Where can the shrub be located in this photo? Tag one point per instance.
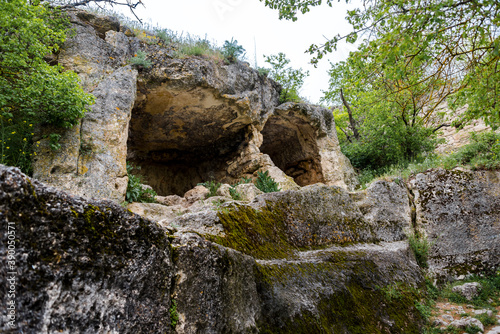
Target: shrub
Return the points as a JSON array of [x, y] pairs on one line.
[[232, 51], [290, 79], [263, 71], [266, 183], [32, 92], [136, 192], [139, 59], [483, 152]]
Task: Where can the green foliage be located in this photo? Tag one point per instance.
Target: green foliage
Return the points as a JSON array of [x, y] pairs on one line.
[[483, 152], [266, 183], [377, 126], [458, 41], [174, 316], [235, 194], [212, 187], [135, 190], [140, 60], [232, 51], [54, 141], [490, 290], [32, 92], [263, 71], [291, 80], [486, 319], [420, 247]]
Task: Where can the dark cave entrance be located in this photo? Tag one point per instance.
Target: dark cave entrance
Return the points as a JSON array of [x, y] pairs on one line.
[[291, 144], [181, 137]]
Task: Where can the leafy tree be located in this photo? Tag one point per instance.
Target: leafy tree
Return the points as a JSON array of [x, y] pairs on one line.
[[381, 123], [290, 79], [33, 92], [459, 39]]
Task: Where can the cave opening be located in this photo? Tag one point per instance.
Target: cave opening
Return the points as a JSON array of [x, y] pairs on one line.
[[182, 137], [291, 144]]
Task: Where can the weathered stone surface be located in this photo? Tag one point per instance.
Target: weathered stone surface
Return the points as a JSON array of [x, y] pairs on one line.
[[91, 161], [224, 190], [196, 194], [340, 290], [386, 206], [276, 224], [459, 212], [171, 200], [248, 191], [92, 267], [301, 140], [215, 288], [157, 212], [466, 322], [468, 290], [82, 267], [100, 169]]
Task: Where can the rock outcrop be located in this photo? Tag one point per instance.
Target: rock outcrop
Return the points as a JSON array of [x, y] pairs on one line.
[[80, 266], [184, 121], [459, 213], [91, 266], [92, 160]]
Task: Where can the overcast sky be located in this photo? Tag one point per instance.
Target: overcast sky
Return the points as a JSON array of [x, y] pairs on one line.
[[258, 29]]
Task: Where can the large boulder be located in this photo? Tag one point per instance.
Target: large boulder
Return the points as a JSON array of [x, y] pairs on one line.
[[93, 267], [459, 213], [80, 266]]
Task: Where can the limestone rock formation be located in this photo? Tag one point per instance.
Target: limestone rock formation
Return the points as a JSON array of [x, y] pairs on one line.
[[91, 266], [459, 213], [81, 266], [184, 121], [92, 161]]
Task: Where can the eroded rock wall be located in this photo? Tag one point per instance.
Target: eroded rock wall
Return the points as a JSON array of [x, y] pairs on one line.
[[81, 266], [183, 121], [93, 267], [459, 213], [92, 158]]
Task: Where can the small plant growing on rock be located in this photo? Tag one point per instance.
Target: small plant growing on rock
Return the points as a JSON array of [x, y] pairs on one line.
[[232, 51], [139, 59], [420, 247], [174, 316], [136, 192], [212, 187], [266, 183]]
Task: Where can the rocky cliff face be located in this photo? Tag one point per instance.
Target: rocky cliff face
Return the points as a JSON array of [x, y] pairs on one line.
[[459, 213], [184, 121], [318, 259]]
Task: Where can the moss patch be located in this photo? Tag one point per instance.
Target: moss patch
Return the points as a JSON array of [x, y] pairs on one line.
[[344, 296]]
